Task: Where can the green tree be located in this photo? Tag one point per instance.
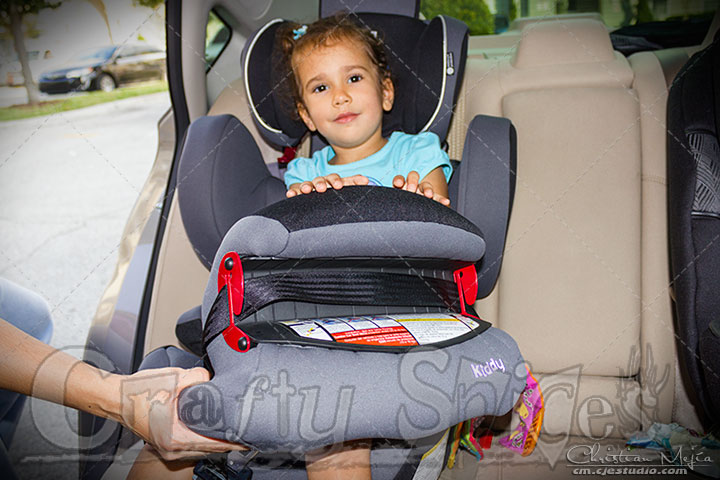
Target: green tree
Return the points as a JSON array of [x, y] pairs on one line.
[[513, 10], [148, 3], [644, 13], [475, 13], [11, 17]]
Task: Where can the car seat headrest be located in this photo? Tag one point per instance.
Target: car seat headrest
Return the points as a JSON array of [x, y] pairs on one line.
[[426, 60], [407, 8], [567, 41]]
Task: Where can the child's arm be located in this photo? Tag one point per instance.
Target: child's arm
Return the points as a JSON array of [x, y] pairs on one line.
[[322, 184], [349, 460], [432, 186]]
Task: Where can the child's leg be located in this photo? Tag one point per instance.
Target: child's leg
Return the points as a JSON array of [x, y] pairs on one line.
[[149, 464], [349, 460]]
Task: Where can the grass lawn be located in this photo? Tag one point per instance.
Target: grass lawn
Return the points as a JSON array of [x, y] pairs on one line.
[[85, 100]]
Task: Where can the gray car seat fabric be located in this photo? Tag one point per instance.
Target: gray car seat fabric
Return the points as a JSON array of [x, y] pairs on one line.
[[390, 460], [280, 397], [483, 187], [330, 390], [221, 178]]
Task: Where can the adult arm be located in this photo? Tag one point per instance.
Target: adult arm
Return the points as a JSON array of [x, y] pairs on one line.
[[145, 402]]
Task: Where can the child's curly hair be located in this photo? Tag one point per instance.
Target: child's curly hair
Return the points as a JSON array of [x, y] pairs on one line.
[[339, 26]]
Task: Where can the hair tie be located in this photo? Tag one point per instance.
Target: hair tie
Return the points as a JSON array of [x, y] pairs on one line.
[[299, 32]]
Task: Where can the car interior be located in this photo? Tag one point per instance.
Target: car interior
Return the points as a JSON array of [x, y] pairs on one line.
[[585, 287]]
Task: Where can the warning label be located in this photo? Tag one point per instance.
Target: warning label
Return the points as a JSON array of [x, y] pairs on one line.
[[396, 330]]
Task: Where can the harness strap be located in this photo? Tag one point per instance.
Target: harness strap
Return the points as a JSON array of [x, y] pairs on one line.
[[333, 288]]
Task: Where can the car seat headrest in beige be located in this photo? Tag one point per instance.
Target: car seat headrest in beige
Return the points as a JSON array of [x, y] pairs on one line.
[[564, 41], [521, 23]]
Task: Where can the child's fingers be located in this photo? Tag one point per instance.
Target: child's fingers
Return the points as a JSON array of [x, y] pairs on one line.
[[444, 200], [334, 181], [355, 180], [398, 181], [413, 180], [320, 184], [293, 190], [426, 190], [306, 187]]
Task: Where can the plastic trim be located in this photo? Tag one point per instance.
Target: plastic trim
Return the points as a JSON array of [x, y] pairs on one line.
[[441, 97], [246, 81]]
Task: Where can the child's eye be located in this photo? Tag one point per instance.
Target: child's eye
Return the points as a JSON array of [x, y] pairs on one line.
[[355, 78], [319, 89]]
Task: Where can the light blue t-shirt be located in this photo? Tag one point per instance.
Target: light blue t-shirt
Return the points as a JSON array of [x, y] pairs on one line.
[[402, 154]]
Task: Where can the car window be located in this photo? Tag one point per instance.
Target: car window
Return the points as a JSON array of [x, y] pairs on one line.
[[485, 18], [217, 36]]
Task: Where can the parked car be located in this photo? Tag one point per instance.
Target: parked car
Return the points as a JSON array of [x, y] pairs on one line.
[[105, 68], [585, 287]]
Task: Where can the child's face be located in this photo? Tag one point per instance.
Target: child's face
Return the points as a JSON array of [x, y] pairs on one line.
[[342, 95]]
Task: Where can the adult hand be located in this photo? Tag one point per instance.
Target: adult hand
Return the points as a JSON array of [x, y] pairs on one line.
[[145, 402], [149, 409], [433, 186], [322, 184]]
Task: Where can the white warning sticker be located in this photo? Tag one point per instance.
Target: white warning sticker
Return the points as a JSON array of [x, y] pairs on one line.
[[395, 330], [310, 330]]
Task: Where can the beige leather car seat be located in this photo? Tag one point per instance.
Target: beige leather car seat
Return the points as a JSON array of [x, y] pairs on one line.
[[584, 285]]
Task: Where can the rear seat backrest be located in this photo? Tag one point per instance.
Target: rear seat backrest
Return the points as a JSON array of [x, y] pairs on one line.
[[570, 291]]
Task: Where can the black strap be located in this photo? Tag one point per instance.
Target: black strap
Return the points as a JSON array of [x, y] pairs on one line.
[[334, 288]]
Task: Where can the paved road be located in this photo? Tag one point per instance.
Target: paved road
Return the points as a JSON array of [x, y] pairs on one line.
[[67, 184]]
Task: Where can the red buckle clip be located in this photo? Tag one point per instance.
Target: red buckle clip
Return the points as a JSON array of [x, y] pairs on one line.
[[466, 281], [230, 275], [288, 154]]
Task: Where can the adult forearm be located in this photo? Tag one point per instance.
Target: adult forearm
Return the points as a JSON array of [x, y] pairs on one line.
[[31, 367]]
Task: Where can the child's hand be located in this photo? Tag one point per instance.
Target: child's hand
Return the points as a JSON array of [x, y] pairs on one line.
[[321, 184], [426, 187]]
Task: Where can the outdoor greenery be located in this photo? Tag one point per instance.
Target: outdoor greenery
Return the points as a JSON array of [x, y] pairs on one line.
[[475, 13], [148, 3], [79, 101], [12, 13], [644, 13]]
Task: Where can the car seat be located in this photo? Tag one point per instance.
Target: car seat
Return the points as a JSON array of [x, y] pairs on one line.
[[214, 192], [694, 221]]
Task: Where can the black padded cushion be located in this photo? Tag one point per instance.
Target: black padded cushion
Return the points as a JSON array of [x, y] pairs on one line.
[[415, 56], [693, 162], [359, 221], [360, 204]]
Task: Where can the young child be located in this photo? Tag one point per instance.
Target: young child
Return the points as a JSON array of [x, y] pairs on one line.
[[341, 85]]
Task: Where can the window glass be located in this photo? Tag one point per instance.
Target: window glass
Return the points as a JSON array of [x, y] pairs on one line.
[[217, 36], [485, 17]]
